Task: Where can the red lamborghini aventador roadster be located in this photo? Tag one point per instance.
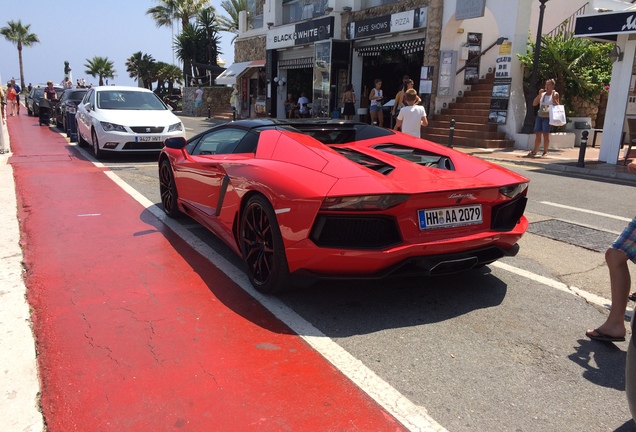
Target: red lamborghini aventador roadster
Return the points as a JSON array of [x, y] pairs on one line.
[[329, 199]]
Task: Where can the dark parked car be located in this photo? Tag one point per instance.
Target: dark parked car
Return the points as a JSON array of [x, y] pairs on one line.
[[68, 102], [34, 96]]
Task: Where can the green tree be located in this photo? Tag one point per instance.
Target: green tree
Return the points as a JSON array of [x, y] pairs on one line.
[[184, 10], [167, 74], [20, 35], [140, 67], [100, 67], [231, 24], [206, 21], [581, 67]]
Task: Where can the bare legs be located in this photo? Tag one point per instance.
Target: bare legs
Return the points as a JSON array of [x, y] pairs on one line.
[[537, 143], [620, 283]]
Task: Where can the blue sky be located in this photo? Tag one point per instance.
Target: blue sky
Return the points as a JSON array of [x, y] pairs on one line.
[[74, 31]]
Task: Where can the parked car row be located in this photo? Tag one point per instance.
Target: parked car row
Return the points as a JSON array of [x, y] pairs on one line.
[[110, 119], [125, 119], [35, 95]]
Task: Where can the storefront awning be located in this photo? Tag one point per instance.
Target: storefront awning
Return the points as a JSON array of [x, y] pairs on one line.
[[297, 63], [252, 65], [228, 77], [407, 47]]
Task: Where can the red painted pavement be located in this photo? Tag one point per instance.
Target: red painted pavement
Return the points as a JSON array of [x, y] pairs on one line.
[[136, 331]]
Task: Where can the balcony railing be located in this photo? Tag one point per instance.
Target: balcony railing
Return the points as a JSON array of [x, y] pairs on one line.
[[298, 10]]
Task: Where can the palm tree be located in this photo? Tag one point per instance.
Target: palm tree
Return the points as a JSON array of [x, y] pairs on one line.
[[170, 10], [100, 67], [231, 24], [140, 66], [167, 73], [206, 20], [19, 34]]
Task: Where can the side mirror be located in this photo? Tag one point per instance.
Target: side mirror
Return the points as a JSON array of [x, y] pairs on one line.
[[175, 143]]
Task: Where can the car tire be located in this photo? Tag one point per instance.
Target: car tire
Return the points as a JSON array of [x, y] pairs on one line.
[[97, 152], [29, 112], [168, 190], [262, 247], [80, 141], [65, 128]]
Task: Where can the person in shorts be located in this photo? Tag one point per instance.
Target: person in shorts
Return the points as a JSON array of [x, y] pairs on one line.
[[544, 100], [623, 249], [198, 100], [375, 106]]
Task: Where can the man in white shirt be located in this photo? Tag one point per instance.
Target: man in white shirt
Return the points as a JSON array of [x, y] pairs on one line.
[[412, 117], [303, 109]]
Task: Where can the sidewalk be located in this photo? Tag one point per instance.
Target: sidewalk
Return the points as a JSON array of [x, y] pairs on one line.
[[104, 384]]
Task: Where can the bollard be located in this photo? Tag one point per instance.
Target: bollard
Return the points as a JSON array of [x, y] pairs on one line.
[[581, 162], [233, 113], [451, 132]]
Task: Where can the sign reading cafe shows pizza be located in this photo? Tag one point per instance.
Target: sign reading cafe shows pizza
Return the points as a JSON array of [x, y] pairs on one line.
[[397, 22]]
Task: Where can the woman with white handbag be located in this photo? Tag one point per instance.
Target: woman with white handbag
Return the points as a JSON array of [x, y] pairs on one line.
[[544, 99]]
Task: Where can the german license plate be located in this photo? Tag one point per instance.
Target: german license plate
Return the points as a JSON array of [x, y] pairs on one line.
[[148, 138], [447, 217]]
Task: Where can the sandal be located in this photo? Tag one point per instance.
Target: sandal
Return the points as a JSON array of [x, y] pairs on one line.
[[531, 154], [632, 296], [544, 154]]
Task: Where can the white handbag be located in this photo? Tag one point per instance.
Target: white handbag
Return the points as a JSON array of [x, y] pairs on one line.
[[557, 115]]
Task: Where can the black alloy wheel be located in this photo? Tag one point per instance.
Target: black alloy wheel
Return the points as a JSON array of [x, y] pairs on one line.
[[168, 190], [262, 247]]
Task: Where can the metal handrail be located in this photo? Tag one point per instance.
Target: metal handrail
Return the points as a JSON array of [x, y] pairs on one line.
[[476, 59], [566, 28]]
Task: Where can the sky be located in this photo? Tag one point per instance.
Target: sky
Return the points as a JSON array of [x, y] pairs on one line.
[[76, 31]]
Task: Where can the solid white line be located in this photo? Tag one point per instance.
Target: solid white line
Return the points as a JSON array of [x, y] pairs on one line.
[[414, 417], [620, 218], [571, 289]]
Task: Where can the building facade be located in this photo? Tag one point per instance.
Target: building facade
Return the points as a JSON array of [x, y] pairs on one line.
[[317, 47]]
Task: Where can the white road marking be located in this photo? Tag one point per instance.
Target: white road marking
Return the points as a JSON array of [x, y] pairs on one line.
[[410, 415], [570, 289], [620, 218], [414, 417]]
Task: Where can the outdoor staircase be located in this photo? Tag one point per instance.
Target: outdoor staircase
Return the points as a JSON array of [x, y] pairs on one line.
[[470, 112]]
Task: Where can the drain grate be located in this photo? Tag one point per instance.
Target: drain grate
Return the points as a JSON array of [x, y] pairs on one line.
[[577, 235]]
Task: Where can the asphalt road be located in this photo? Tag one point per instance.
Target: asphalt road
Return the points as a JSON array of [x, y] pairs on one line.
[[502, 348]]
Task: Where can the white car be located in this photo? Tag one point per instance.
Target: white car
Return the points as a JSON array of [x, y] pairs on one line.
[[126, 120]]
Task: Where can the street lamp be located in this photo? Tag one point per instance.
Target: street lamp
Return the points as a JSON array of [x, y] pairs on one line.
[[528, 123]]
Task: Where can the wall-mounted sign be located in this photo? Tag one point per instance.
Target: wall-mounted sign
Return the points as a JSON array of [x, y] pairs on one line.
[[605, 25], [397, 22], [469, 9], [499, 101], [301, 33], [471, 73]]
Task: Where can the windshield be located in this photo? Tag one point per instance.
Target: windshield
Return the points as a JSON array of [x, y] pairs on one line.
[[128, 100]]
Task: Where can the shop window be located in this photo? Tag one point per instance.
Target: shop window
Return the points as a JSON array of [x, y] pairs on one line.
[[254, 14]]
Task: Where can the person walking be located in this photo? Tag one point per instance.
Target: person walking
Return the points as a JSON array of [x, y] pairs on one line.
[[412, 117], [399, 102], [11, 99], [3, 103], [18, 90], [198, 100], [348, 102], [375, 108], [544, 99], [616, 256]]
